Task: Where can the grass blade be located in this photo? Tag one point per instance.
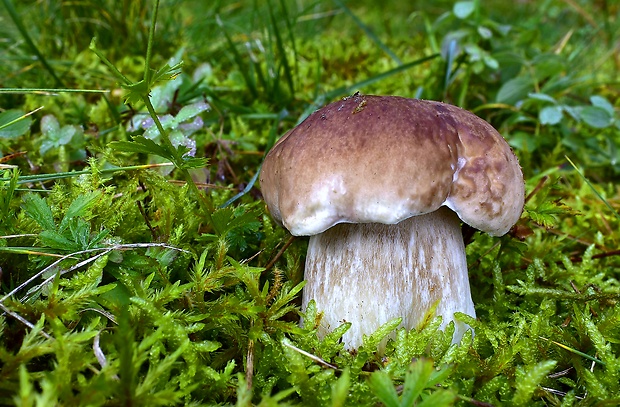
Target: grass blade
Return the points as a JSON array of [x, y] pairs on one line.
[[575, 351], [242, 68], [281, 50], [22, 29], [368, 32], [25, 179], [50, 91], [347, 90], [611, 208]]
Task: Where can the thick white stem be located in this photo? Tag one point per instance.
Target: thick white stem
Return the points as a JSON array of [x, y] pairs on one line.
[[368, 274]]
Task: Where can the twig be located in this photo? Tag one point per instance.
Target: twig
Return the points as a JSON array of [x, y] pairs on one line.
[[249, 364], [559, 393], [309, 355], [537, 188], [280, 253], [105, 250], [23, 320], [146, 219]]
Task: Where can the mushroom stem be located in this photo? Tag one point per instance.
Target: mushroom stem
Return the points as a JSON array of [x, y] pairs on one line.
[[371, 273]]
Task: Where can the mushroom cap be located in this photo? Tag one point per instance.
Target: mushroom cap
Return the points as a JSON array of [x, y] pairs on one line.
[[383, 159]]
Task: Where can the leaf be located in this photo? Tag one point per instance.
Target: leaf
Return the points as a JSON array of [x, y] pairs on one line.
[[603, 103], [55, 136], [514, 90], [463, 9], [167, 122], [81, 205], [227, 219], [142, 145], [49, 125], [595, 116], [221, 218], [541, 96], [381, 385], [137, 90], [38, 209], [66, 134], [485, 32], [55, 240], [166, 73], [14, 123], [340, 389], [190, 163], [416, 380], [46, 146], [439, 398], [190, 111], [550, 115], [545, 213]]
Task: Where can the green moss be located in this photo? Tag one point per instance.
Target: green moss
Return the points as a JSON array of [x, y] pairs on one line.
[[127, 282]]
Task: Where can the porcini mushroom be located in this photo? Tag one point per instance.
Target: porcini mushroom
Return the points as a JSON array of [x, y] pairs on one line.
[[381, 184]]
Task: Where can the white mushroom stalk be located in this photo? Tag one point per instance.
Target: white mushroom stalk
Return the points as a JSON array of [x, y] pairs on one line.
[[381, 184], [371, 273]]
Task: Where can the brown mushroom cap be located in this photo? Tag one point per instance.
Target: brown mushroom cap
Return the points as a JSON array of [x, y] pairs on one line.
[[383, 159]]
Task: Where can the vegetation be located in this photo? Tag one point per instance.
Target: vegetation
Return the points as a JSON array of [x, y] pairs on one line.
[[139, 265]]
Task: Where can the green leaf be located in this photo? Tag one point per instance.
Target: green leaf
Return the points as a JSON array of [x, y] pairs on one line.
[[55, 240], [595, 116], [541, 96], [38, 209], [545, 213], [550, 115], [340, 389], [381, 385], [142, 145], [135, 91], [166, 73], [416, 380], [514, 90], [440, 398], [80, 206], [190, 111], [485, 32], [14, 123], [603, 103], [190, 163], [55, 136], [463, 9], [49, 125]]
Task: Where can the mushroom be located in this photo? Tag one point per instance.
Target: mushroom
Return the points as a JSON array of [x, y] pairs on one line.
[[381, 184]]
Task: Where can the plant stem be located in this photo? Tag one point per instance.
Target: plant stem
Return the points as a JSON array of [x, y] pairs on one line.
[[149, 45]]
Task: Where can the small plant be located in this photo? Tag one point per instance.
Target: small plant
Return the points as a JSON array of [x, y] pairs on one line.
[[66, 142], [417, 389]]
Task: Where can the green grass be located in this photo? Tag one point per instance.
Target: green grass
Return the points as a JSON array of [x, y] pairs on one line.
[[138, 264]]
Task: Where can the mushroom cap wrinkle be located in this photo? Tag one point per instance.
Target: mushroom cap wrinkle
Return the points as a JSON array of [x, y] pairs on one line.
[[383, 159]]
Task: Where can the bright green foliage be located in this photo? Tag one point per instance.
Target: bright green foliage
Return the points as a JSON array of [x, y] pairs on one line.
[[420, 377], [73, 233], [138, 262]]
